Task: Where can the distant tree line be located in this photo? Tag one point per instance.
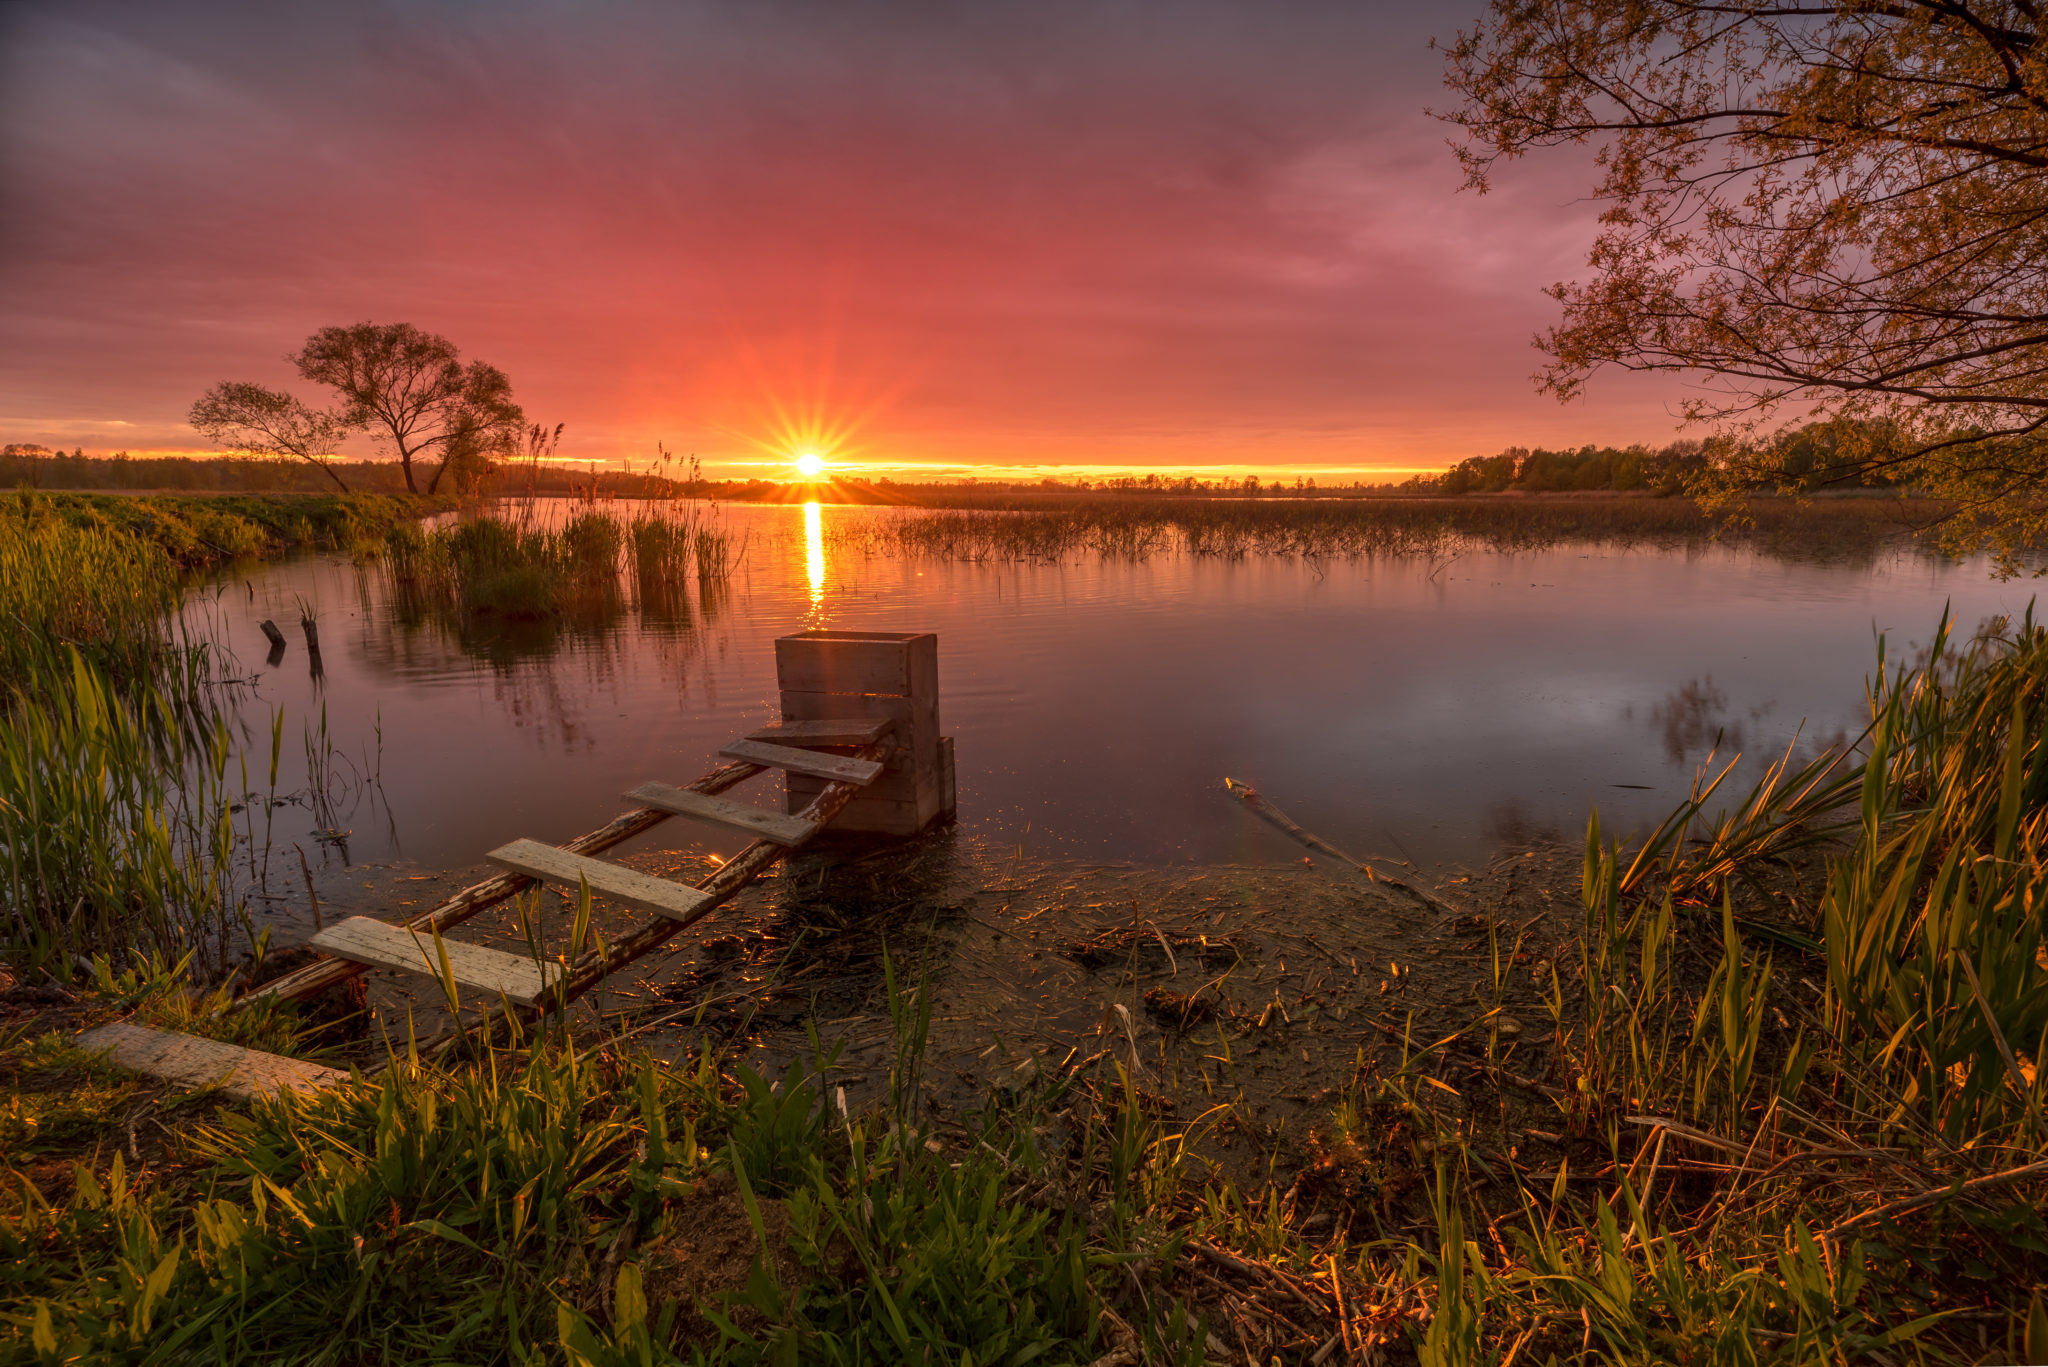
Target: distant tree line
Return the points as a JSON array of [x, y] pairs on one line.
[[29, 466], [1539, 470], [1810, 458], [1833, 456]]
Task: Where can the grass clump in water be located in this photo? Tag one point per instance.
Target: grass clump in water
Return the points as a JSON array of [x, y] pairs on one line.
[[1052, 528], [517, 566]]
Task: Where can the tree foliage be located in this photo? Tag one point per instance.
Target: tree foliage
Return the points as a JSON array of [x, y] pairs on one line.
[[270, 422], [412, 389], [1837, 208]]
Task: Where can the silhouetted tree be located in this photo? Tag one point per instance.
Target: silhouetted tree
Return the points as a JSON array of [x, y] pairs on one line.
[[1837, 206], [248, 417], [411, 388]]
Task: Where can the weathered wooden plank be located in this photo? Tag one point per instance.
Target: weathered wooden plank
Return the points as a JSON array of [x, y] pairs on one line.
[[460, 906], [194, 1062], [741, 869], [836, 768], [873, 815], [890, 662], [851, 731], [753, 821], [385, 945], [891, 785], [629, 887]]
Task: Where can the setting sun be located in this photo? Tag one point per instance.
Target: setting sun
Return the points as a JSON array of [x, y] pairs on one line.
[[810, 465]]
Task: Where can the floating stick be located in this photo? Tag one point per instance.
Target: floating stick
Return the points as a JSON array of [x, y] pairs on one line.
[[1245, 793]]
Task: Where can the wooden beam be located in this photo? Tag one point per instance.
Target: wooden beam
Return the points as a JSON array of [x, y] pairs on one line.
[[754, 821], [737, 872], [194, 1062], [318, 977], [836, 768], [852, 731], [630, 887], [382, 944]]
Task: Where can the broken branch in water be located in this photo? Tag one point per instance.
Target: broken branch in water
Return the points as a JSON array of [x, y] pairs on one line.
[[1245, 793]]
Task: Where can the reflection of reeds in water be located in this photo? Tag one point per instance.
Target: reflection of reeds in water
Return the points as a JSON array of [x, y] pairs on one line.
[[1849, 530]]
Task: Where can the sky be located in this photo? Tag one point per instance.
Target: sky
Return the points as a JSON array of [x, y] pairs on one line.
[[925, 239]]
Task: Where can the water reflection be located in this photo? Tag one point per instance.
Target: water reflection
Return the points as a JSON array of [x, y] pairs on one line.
[[1388, 704], [814, 560]]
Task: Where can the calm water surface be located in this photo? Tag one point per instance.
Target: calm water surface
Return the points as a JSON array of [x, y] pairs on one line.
[[1098, 705]]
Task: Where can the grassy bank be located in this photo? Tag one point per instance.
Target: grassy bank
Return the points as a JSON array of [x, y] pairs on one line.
[[1050, 528], [1775, 1099], [116, 829], [194, 531]]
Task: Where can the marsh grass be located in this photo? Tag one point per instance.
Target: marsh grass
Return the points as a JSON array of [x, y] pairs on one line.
[[1854, 530], [116, 835], [1760, 1128], [95, 589], [518, 563], [196, 531]]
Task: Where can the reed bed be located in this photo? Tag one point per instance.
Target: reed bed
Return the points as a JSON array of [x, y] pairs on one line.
[[116, 836], [519, 565], [1055, 529], [99, 591]]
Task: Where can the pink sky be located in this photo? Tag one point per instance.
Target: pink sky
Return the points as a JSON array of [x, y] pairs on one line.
[[1176, 235]]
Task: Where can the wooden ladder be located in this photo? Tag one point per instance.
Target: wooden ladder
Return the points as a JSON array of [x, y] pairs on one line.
[[528, 986]]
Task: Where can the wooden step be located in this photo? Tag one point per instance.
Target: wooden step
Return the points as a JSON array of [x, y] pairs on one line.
[[837, 768], [368, 941], [194, 1062], [850, 731], [753, 821], [641, 891]]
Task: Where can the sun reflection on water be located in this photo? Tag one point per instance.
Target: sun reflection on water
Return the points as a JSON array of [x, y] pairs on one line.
[[814, 557]]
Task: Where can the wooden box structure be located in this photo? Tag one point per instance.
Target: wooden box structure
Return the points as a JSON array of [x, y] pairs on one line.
[[873, 676]]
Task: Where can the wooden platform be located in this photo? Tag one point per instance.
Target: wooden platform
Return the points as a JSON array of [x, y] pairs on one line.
[[859, 750], [369, 941], [833, 768], [736, 816], [194, 1062], [849, 731], [629, 887]]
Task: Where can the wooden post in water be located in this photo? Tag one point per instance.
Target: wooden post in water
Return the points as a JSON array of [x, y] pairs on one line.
[[887, 676]]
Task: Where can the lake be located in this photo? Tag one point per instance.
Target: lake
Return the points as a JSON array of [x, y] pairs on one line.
[[1415, 710]]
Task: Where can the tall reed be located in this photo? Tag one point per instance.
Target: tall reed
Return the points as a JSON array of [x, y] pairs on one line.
[[1009, 527], [94, 589], [514, 564], [115, 828]]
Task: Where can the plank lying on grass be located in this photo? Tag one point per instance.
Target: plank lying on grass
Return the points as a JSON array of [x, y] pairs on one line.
[[369, 941], [628, 887], [838, 768], [752, 821], [194, 1062]]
